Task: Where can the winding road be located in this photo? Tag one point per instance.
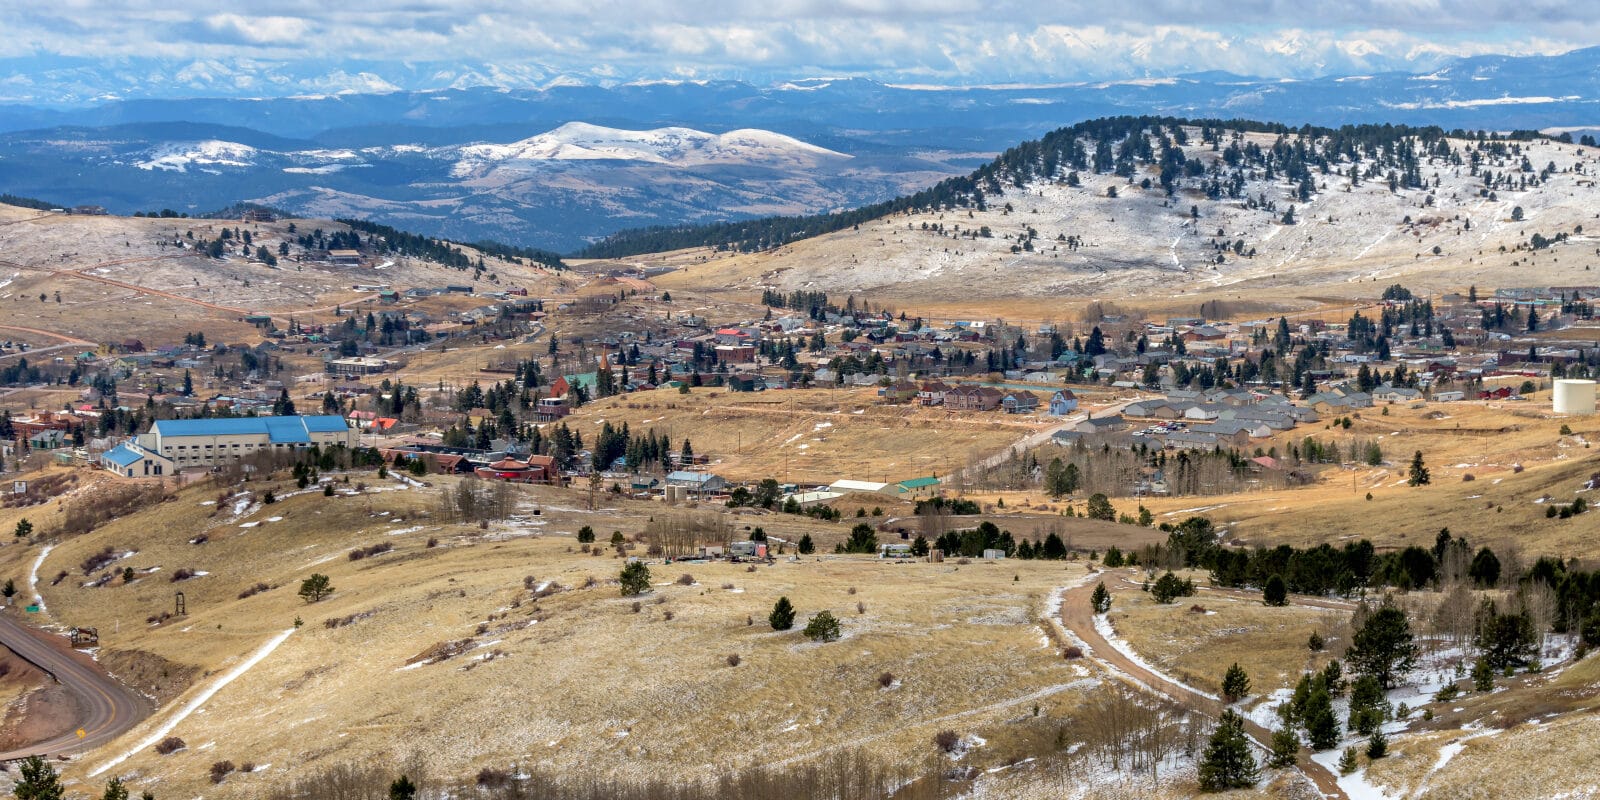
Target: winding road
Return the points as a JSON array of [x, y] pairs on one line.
[[106, 708], [1076, 616]]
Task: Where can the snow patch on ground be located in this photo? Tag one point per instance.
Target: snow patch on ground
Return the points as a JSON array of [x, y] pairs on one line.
[[199, 700], [33, 575]]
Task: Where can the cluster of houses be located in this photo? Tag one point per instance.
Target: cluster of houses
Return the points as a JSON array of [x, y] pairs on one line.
[[975, 397]]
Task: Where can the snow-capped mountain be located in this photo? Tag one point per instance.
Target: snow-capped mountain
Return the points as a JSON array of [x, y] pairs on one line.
[[683, 147], [523, 154], [180, 156]]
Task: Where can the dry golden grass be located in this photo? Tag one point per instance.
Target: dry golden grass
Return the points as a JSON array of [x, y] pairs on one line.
[[578, 680], [813, 436], [1197, 647], [1497, 508]]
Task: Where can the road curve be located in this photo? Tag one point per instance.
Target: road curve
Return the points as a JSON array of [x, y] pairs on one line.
[[106, 708], [1077, 617]]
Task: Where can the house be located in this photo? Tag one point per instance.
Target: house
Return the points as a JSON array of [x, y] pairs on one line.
[[344, 256], [1094, 426], [1396, 394], [931, 393], [549, 409], [700, 482], [899, 392], [1063, 402], [1449, 397], [916, 487], [209, 442], [1187, 440], [1020, 403], [973, 398], [129, 460]]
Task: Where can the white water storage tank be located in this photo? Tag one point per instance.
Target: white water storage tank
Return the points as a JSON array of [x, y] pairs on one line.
[[1574, 396]]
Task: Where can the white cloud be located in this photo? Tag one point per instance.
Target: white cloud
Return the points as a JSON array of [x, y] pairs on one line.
[[945, 41]]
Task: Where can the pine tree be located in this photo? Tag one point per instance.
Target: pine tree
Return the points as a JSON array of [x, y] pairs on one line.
[[115, 790], [1383, 648], [1315, 643], [1235, 684], [1322, 728], [38, 781], [586, 535], [1482, 675], [1418, 474], [823, 627], [806, 546], [1349, 761], [1101, 599], [635, 579], [1275, 593], [1285, 747], [1228, 762], [1368, 708], [1377, 745], [402, 789], [782, 616]]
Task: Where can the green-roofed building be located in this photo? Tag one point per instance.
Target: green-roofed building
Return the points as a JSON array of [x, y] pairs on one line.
[[917, 487]]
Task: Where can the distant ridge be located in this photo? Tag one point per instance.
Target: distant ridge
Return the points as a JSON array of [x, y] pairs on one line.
[[1051, 157]]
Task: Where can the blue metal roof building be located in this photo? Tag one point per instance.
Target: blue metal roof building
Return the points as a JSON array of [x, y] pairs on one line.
[[206, 442]]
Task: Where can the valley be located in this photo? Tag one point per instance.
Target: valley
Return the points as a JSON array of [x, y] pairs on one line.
[[947, 427]]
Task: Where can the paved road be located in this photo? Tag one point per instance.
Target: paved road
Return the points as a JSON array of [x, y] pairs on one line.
[[1077, 617], [106, 708]]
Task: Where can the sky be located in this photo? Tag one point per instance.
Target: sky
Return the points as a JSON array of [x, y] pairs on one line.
[[288, 46]]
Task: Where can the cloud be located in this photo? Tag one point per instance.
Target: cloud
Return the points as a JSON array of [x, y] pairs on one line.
[[944, 41]]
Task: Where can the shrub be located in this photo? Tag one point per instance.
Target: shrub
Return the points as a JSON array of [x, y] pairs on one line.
[[182, 574], [635, 579], [823, 627], [637, 606], [946, 740], [886, 679], [667, 615], [169, 745], [433, 541], [254, 590], [370, 550], [734, 659], [493, 778], [1072, 652], [685, 579], [861, 608], [220, 770], [97, 561]]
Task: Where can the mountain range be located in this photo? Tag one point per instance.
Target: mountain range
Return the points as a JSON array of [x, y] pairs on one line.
[[565, 163]]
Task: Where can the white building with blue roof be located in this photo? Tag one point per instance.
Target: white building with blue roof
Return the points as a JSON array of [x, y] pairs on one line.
[[209, 442], [129, 460]]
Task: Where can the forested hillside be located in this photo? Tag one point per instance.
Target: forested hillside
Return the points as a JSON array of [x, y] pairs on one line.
[[1126, 146]]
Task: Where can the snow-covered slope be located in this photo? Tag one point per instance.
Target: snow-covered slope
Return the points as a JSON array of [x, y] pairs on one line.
[[180, 156], [681, 147]]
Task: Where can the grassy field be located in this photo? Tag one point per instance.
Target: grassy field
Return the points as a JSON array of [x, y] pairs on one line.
[[810, 436], [597, 684]]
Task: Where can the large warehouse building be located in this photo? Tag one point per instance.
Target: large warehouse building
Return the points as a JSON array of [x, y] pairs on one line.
[[208, 442]]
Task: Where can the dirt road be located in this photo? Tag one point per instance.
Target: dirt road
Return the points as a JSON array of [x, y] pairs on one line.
[[1077, 616], [106, 708]]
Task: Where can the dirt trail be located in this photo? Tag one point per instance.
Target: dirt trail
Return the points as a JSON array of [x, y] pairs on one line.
[[1076, 616]]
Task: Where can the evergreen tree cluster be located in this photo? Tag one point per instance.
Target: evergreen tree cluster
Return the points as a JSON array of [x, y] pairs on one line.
[[1126, 146]]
